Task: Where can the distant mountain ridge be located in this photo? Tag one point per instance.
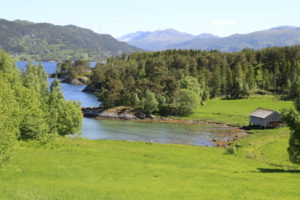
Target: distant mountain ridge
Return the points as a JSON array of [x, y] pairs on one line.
[[159, 40], [45, 41], [277, 36]]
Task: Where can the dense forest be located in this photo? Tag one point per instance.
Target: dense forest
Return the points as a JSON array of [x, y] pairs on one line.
[[175, 81], [29, 110]]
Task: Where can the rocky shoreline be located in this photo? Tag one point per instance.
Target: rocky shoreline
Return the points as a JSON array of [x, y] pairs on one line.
[[125, 113]]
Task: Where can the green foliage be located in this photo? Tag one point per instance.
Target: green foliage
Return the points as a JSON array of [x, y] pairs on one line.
[[208, 74], [73, 70], [238, 90], [9, 107], [32, 99], [69, 119], [135, 100], [294, 91], [8, 120], [64, 117], [191, 83], [150, 102], [187, 101], [34, 122], [28, 110], [35, 78], [292, 119]]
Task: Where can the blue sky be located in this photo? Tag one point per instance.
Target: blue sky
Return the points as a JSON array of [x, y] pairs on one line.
[[119, 17]]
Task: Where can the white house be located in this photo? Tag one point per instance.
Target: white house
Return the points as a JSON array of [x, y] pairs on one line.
[[265, 118]]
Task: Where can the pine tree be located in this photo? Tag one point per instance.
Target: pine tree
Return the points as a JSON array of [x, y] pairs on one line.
[[276, 75], [237, 89], [294, 91], [216, 82]]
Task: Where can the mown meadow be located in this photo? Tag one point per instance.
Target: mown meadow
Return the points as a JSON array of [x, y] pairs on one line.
[[236, 112], [73, 168], [80, 169]]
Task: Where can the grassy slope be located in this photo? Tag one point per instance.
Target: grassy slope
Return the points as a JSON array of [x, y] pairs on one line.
[[236, 112], [268, 146], [80, 169]]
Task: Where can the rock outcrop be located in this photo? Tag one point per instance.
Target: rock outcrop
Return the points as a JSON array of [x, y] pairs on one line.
[[125, 113], [90, 89]]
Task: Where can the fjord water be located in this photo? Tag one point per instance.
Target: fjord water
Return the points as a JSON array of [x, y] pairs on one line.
[[151, 132], [133, 131]]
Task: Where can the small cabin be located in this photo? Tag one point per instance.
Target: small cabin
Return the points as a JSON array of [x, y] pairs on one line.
[[265, 118]]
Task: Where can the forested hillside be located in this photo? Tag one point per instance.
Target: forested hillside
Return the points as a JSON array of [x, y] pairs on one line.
[[43, 41], [175, 81]]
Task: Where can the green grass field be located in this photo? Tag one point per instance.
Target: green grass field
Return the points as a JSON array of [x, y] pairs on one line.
[[236, 112], [76, 169], [81, 169]]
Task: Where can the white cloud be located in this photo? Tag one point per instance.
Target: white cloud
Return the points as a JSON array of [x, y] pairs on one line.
[[224, 22]]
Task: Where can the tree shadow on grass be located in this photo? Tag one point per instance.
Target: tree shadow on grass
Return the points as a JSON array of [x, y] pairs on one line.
[[268, 170]]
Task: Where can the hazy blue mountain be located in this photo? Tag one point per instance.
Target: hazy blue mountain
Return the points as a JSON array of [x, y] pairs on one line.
[[279, 36], [172, 39], [156, 40], [44, 41], [206, 36], [284, 28], [134, 36]]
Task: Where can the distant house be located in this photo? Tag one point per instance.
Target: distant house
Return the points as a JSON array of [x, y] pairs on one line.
[[265, 118]]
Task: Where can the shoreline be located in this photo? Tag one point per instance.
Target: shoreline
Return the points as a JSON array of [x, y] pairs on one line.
[[130, 114]]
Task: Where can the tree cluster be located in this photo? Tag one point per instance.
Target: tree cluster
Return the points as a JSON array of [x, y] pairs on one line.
[[175, 81], [73, 70], [29, 110]]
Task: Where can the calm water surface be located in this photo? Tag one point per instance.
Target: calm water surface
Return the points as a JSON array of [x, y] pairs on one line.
[[151, 132], [133, 131]]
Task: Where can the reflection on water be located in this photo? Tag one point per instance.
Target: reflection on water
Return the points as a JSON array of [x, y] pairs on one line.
[[134, 131], [150, 132]]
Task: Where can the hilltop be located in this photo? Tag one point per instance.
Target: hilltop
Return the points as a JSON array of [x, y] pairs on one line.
[[44, 41], [172, 39]]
